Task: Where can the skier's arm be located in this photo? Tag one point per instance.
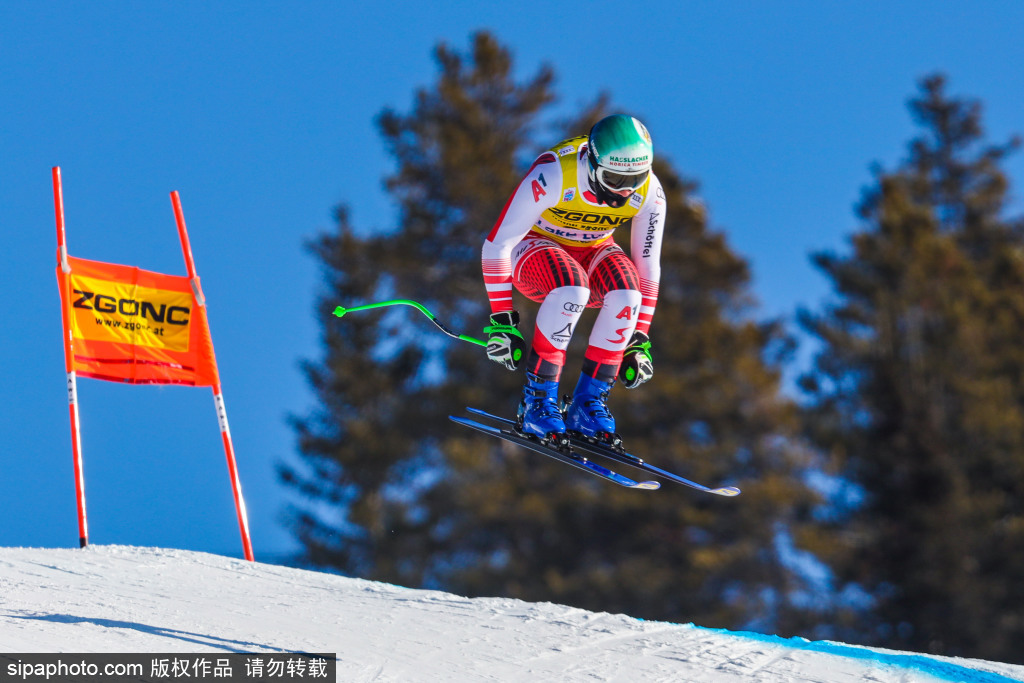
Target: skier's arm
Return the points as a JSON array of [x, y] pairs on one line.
[[645, 250], [539, 190]]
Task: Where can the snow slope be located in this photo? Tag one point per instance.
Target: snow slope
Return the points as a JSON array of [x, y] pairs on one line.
[[146, 600]]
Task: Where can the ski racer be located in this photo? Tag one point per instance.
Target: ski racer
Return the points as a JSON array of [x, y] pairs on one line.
[[554, 242]]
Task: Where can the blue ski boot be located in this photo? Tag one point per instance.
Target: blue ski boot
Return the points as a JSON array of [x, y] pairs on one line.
[[587, 412], [538, 413]]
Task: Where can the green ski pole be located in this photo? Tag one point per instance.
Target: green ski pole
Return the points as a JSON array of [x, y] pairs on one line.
[[341, 310]]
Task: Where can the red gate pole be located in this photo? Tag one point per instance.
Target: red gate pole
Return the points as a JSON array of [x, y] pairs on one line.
[[218, 396], [69, 357]]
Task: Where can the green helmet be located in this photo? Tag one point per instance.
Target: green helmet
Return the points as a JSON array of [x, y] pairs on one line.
[[619, 156]]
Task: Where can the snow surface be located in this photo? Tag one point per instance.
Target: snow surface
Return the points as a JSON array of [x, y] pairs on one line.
[[147, 600]]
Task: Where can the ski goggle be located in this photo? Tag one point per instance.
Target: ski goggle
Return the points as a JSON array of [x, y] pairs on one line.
[[617, 182]]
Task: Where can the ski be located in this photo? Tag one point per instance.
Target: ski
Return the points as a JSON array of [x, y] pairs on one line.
[[624, 458], [568, 456]]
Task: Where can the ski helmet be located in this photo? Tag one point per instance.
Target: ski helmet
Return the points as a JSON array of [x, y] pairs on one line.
[[619, 156]]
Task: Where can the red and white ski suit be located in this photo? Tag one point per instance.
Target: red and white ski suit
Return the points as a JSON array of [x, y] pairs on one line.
[[553, 241]]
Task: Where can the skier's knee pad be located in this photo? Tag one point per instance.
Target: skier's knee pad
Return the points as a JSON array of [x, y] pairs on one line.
[[556, 322], [614, 325]]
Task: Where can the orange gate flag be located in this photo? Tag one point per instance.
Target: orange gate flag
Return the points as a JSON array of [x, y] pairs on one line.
[[136, 326], [125, 324]]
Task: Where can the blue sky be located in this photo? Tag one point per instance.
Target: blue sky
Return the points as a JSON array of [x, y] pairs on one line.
[[261, 115]]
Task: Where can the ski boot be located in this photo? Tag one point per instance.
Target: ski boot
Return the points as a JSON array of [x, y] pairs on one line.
[[538, 413], [587, 415]]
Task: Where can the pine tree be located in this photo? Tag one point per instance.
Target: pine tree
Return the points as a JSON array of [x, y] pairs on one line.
[[918, 393], [399, 493]]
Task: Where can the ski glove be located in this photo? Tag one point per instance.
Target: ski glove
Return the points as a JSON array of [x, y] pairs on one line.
[[505, 343], [637, 366]]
